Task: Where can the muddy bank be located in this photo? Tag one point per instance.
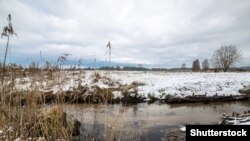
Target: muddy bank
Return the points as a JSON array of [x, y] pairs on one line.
[[205, 99], [104, 95]]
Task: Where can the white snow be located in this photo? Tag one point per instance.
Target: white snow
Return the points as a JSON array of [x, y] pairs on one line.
[[183, 129], [182, 84], [72, 82], [244, 123], [117, 94], [159, 84]]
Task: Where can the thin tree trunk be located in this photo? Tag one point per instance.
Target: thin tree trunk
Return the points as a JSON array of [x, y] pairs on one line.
[[6, 51]]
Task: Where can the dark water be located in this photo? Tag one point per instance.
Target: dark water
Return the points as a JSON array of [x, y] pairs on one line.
[[146, 121]]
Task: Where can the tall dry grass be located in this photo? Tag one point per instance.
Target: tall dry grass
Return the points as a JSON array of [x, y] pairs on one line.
[[30, 114], [24, 114]]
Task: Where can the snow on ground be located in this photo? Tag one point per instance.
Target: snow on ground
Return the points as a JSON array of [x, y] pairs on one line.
[[159, 84], [182, 84]]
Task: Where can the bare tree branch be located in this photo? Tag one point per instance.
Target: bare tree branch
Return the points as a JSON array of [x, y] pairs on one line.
[[226, 57]]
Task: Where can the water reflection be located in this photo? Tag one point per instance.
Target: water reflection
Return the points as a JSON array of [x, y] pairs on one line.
[[144, 121]]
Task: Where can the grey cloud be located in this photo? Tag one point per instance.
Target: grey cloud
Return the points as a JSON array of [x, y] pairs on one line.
[[157, 33]]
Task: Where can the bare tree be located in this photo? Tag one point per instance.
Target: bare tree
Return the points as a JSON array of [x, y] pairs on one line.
[[196, 66], [226, 57], [7, 31], [205, 65]]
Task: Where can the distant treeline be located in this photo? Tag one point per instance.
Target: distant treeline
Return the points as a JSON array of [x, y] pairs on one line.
[[140, 69], [165, 69], [52, 67]]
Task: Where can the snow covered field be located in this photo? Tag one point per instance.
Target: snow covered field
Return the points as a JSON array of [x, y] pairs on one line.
[[158, 84], [182, 84]]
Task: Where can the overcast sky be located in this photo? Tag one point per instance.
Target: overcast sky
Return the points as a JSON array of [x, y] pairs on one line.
[[155, 33]]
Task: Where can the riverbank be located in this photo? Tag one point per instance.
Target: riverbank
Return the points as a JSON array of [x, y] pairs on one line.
[[129, 87]]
